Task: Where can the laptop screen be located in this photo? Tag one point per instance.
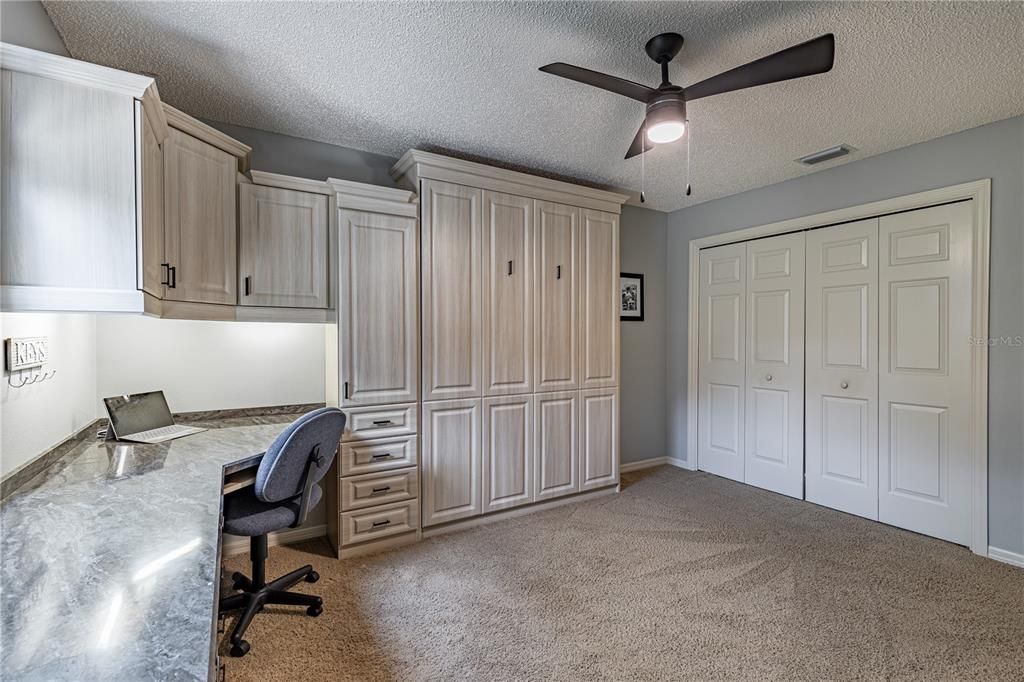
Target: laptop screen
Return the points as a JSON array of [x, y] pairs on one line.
[[139, 412]]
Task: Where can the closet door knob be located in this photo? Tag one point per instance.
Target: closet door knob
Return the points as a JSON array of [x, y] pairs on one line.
[[768, 377], [844, 385]]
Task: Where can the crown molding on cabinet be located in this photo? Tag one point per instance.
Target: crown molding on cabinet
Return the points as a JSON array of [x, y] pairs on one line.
[[416, 164], [212, 136], [291, 182], [360, 196]]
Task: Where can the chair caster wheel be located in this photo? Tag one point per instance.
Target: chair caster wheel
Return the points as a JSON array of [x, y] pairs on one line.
[[237, 581], [240, 649], [312, 577], [315, 610]]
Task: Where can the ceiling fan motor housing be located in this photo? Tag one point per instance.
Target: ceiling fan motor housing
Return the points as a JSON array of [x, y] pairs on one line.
[[668, 105]]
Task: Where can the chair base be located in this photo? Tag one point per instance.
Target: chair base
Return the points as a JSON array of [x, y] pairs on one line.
[[257, 593]]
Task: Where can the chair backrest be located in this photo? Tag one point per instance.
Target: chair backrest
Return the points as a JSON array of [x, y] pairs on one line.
[[282, 472]]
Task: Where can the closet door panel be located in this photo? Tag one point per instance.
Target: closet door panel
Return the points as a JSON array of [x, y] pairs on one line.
[[452, 301], [599, 299], [508, 294], [450, 461], [599, 438], [722, 363], [842, 368], [774, 420], [557, 229], [556, 447], [925, 467], [507, 452], [377, 321]]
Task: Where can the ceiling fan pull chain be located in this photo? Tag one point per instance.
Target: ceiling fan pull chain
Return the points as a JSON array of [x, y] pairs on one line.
[[643, 170], [689, 134]]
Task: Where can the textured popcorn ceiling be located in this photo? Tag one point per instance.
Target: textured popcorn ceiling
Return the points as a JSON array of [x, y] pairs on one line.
[[385, 77]]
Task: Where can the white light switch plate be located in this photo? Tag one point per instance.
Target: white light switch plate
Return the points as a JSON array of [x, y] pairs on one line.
[[27, 352]]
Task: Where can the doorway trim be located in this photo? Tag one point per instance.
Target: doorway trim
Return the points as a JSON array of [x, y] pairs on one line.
[[980, 191]]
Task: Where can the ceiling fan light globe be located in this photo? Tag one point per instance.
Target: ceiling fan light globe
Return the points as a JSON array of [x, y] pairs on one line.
[[665, 131]]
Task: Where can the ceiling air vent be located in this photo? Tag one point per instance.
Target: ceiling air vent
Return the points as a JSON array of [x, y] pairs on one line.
[[826, 154]]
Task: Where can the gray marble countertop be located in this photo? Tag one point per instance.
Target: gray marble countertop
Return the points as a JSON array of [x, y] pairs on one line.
[[109, 562]]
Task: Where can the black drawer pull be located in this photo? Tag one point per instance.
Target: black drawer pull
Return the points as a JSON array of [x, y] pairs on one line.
[[165, 274], [510, 267], [248, 285], [382, 455], [383, 422], [378, 524], [558, 272], [378, 491]]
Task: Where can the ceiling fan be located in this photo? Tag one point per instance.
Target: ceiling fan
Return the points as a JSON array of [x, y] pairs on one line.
[[665, 120]]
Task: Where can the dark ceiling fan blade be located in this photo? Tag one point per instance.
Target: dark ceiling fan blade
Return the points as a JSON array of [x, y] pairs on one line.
[[639, 144], [620, 86], [805, 59]]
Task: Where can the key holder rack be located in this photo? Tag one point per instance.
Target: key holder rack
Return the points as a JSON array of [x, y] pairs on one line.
[[25, 358]]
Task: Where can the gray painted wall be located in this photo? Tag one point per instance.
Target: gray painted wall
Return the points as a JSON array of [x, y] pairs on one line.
[[27, 24], [276, 153], [642, 246], [992, 151]]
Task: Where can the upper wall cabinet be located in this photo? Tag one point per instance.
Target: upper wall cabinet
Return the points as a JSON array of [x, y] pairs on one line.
[[199, 221], [282, 256], [69, 181]]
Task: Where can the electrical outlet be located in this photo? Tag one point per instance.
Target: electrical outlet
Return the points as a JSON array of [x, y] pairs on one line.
[[27, 352]]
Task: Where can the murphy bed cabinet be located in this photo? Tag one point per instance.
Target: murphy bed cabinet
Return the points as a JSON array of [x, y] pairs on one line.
[[520, 338]]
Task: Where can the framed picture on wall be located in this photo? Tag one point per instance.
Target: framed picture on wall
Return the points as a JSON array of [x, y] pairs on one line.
[[631, 297]]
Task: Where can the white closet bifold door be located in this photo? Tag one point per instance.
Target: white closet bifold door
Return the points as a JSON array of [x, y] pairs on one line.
[[774, 405], [721, 344], [842, 368], [925, 260]]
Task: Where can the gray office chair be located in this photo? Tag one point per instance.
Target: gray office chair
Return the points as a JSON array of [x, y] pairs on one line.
[[285, 490]]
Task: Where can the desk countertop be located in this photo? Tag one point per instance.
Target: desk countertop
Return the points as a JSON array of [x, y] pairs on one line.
[[109, 564]]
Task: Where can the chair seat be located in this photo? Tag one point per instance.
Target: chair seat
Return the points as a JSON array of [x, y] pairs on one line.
[[245, 514]]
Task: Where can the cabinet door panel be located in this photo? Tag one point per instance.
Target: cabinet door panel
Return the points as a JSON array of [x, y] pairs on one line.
[[199, 220], [557, 296], [452, 342], [451, 461], [599, 438], [508, 292], [283, 247], [556, 449], [507, 452], [599, 279], [379, 338]]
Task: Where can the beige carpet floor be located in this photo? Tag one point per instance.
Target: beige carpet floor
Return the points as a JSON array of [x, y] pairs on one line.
[[681, 576]]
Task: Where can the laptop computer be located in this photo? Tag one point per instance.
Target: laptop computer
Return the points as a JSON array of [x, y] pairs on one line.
[[144, 418]]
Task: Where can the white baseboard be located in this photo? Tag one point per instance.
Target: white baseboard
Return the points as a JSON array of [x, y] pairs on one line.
[[642, 464], [653, 462], [235, 544], [1006, 556]]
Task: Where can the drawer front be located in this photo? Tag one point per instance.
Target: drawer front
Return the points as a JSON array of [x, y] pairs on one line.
[[370, 490], [388, 421], [364, 525], [366, 457]]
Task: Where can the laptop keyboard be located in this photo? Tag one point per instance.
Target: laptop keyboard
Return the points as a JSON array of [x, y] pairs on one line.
[[163, 432]]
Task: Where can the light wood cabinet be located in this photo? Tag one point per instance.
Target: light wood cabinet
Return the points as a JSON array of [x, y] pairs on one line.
[[599, 279], [154, 269], [507, 294], [451, 461], [556, 450], [557, 296], [508, 466], [68, 201], [452, 304], [282, 257], [599, 438], [199, 221], [377, 313]]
